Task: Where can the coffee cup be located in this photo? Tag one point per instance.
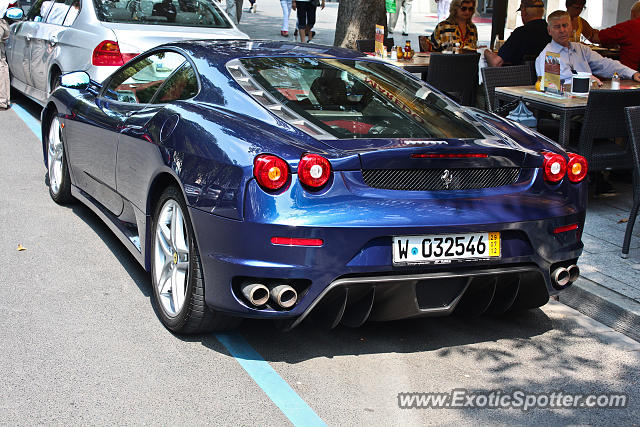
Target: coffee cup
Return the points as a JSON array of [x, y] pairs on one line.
[[580, 83]]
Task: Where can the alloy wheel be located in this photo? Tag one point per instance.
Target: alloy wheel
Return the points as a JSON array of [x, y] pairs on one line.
[[55, 156], [171, 258]]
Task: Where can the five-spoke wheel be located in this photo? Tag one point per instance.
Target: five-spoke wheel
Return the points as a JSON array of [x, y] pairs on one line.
[[171, 257], [176, 270], [58, 171]]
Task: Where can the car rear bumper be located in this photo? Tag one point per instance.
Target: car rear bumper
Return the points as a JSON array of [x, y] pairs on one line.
[[355, 262]]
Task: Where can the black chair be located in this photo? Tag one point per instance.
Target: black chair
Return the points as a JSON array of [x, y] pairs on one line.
[[632, 115], [455, 75], [603, 122], [493, 77], [369, 45]]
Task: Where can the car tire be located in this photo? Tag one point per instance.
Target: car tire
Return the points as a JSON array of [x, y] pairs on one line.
[[176, 271], [57, 167]]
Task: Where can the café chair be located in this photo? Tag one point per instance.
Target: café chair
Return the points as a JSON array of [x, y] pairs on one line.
[[604, 122], [493, 77], [456, 75], [369, 45], [632, 114]]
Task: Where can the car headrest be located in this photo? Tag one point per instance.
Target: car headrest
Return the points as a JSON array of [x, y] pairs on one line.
[[329, 91]]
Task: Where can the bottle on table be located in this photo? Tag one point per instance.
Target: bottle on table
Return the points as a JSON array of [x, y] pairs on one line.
[[615, 81]]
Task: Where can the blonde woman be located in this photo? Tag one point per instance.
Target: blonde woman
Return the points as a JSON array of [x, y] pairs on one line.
[[457, 28]]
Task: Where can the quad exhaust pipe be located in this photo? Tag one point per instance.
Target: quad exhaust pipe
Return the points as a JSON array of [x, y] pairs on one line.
[[563, 277], [256, 293], [284, 296]]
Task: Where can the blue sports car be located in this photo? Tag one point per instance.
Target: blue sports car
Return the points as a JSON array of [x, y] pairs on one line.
[[284, 181]]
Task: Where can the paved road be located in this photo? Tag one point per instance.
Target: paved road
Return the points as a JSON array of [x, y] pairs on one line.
[[81, 343]]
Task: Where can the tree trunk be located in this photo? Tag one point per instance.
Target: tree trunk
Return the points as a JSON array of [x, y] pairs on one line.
[[357, 20]]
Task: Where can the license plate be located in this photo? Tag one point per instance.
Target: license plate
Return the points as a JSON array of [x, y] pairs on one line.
[[444, 248]]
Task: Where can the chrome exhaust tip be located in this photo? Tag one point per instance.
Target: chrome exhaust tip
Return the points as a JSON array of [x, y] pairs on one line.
[[574, 273], [256, 293], [284, 295], [560, 277]]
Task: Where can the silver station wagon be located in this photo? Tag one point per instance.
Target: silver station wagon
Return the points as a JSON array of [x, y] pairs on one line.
[[98, 36]]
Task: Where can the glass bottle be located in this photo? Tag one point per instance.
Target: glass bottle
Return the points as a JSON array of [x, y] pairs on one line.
[[407, 46], [615, 81]]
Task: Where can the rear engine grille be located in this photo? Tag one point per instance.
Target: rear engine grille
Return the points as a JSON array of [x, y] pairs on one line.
[[439, 179]]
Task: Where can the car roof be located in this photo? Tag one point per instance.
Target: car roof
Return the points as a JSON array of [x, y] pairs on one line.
[[218, 52]]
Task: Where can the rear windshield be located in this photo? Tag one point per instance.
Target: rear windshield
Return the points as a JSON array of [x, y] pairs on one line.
[[184, 13], [359, 99]]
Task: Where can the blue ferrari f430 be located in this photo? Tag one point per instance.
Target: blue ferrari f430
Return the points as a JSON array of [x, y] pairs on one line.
[[284, 181]]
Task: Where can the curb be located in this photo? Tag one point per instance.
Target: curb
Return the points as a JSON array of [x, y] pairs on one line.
[[617, 311]]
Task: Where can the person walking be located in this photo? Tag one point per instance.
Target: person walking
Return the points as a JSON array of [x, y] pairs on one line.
[[404, 7], [443, 9], [5, 84], [234, 10], [286, 12], [306, 10]]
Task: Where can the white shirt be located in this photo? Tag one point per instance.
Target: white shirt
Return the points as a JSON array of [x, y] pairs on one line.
[[581, 58]]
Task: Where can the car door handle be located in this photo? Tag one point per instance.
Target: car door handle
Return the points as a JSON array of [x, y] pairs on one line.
[[28, 38], [53, 41]]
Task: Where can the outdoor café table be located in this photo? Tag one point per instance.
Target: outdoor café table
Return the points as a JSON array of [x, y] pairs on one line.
[[566, 106], [418, 64]]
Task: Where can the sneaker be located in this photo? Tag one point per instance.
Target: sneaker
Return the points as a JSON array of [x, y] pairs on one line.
[[405, 34], [254, 8], [284, 33]]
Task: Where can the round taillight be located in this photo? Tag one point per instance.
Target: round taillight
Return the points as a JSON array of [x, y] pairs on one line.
[[555, 167], [577, 167], [314, 170], [270, 171]]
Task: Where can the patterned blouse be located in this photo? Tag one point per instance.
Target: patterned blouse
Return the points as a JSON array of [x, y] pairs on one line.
[[447, 28]]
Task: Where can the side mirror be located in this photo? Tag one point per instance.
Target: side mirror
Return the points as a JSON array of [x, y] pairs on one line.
[[75, 80], [14, 13]]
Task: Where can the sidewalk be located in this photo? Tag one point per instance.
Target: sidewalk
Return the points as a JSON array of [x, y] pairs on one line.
[[609, 289]]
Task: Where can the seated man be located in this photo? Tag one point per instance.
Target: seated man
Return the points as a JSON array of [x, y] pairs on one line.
[[576, 57], [529, 39], [627, 35]]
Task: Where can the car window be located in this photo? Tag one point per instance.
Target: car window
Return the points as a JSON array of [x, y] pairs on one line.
[[73, 12], [138, 82], [356, 98], [57, 11], [183, 84], [39, 10], [185, 13]]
